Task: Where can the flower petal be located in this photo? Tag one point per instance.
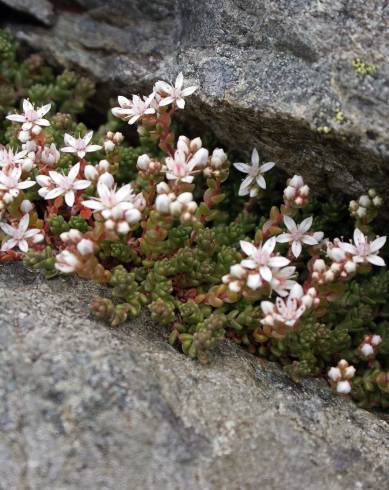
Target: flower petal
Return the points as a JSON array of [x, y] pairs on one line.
[[23, 246], [309, 240], [27, 106], [81, 184], [306, 224], [57, 177], [69, 198], [44, 110], [265, 272], [284, 238], [377, 243], [242, 167], [8, 229], [248, 248], [8, 245], [179, 81], [266, 167], [261, 181], [26, 184], [376, 260], [290, 223], [188, 91], [180, 103], [23, 223], [255, 158], [359, 237], [69, 140], [16, 118], [278, 261], [87, 137], [91, 148], [296, 248], [53, 193], [72, 174]]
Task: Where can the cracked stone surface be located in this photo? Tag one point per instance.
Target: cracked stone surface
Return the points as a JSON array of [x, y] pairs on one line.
[[84, 406], [271, 73]]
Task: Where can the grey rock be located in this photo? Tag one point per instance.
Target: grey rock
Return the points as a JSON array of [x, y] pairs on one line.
[[84, 406], [271, 73], [41, 10]]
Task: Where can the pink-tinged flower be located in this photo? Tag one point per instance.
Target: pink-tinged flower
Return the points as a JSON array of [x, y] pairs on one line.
[[8, 157], [21, 235], [363, 251], [255, 178], [298, 234], [119, 209], [261, 258], [50, 155], [282, 280], [56, 184], [132, 110], [10, 184], [31, 116], [179, 169], [110, 198], [80, 146], [174, 94], [286, 311]]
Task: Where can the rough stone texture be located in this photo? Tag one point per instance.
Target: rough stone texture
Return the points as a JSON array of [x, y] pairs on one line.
[[41, 10], [271, 72], [83, 406]]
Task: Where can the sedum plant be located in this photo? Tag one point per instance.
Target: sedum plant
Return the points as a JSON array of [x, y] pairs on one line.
[[198, 240]]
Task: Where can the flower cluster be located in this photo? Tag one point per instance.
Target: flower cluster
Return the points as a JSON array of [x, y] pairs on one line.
[[285, 314], [261, 269], [368, 347], [341, 376], [170, 225]]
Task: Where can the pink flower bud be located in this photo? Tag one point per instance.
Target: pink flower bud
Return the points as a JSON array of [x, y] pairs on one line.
[[85, 246], [24, 136], [107, 179], [109, 146], [162, 204], [143, 162], [123, 227], [26, 206], [91, 173], [133, 216]]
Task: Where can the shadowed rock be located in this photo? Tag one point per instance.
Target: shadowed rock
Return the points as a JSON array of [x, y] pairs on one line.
[[83, 406], [274, 74]]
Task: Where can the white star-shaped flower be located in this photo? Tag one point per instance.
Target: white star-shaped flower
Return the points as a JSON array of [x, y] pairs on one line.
[[174, 94], [110, 198], [255, 178], [10, 182], [21, 235], [179, 169], [363, 251], [31, 116], [297, 234], [282, 280], [9, 157], [132, 110], [56, 184], [261, 258], [80, 146]]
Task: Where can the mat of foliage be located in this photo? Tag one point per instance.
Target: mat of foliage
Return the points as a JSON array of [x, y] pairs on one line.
[[213, 247]]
